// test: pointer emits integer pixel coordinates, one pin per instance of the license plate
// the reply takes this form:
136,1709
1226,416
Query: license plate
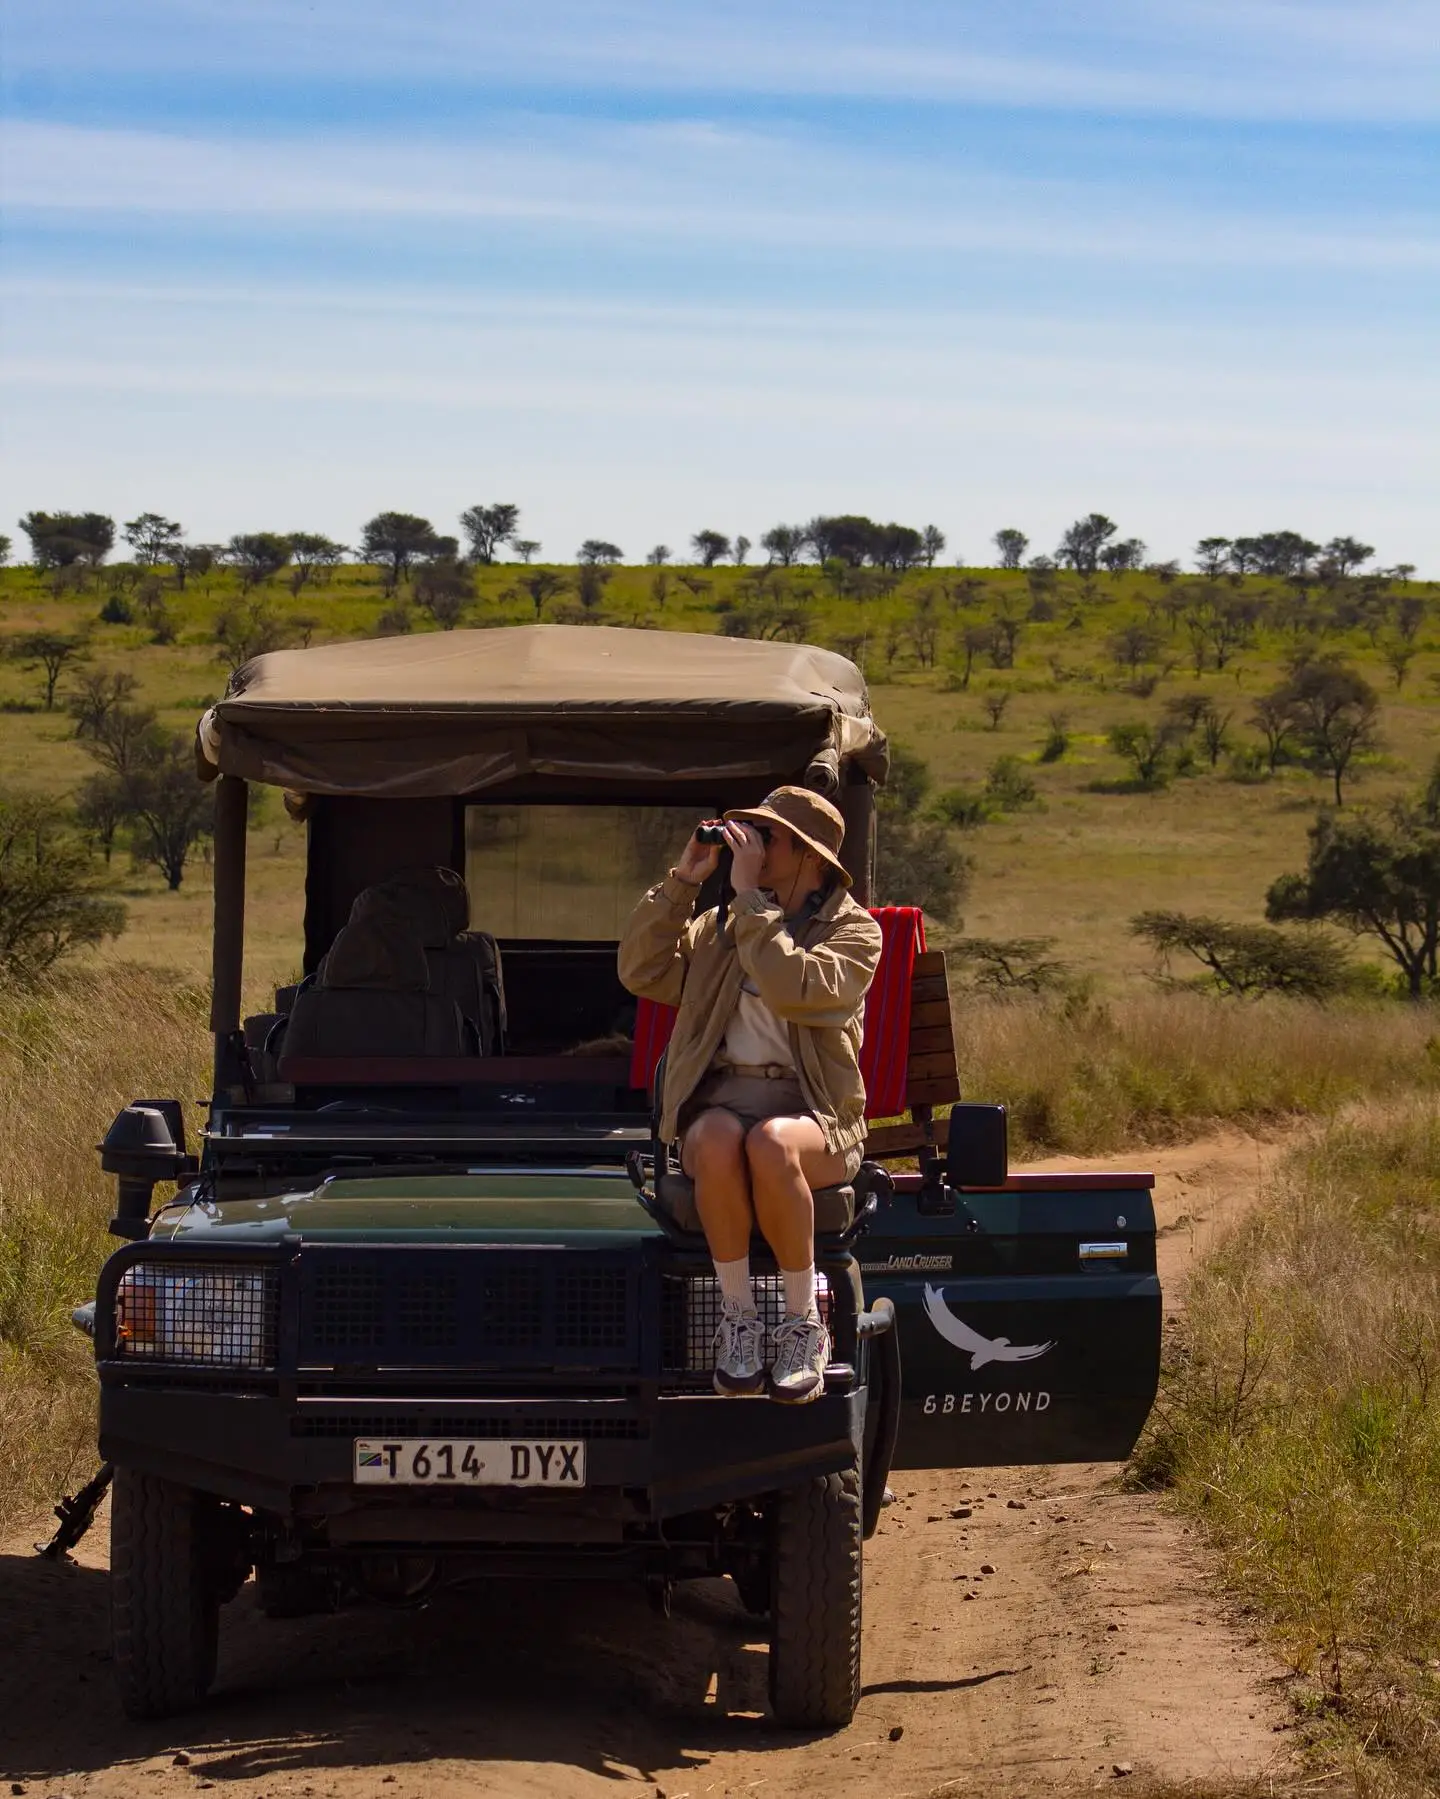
468,1462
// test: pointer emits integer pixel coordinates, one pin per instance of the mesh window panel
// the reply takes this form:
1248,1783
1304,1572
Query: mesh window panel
691,1314
511,1304
206,1314
346,1309
592,1309
429,1311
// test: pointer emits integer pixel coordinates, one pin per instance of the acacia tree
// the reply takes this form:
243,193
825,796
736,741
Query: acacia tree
245,631
49,903
541,584
258,555
62,539
394,540
1336,713
1247,959
526,548
52,652
487,527
153,538
96,695
784,544
193,559
312,550
1345,554
1012,545
1211,556
1083,541
149,778
710,547
932,544
597,552
445,587
1378,876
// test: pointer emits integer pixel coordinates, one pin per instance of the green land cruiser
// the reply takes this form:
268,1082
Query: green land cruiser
419,1312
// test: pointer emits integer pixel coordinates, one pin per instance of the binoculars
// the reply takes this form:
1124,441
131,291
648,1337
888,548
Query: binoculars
716,833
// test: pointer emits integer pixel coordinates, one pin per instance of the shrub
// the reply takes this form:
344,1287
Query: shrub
1057,738
1149,749
117,610
49,902
1012,964
1248,959
1009,787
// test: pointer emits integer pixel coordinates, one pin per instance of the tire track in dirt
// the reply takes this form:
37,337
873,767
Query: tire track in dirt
1099,1637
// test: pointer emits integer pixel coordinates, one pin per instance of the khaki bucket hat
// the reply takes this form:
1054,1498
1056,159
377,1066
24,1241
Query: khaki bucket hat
813,820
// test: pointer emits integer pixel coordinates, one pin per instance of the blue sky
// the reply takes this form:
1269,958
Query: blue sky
644,266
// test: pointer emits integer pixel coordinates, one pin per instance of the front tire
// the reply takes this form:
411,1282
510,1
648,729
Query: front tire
816,1562
164,1606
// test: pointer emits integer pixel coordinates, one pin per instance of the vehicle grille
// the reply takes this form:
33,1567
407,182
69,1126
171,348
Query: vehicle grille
543,1425
462,1307
691,1312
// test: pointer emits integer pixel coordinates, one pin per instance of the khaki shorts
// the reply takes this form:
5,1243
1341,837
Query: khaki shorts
753,1099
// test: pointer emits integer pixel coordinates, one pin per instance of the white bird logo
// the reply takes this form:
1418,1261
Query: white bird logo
982,1349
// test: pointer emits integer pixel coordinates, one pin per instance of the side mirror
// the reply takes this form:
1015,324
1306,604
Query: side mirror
977,1151
145,1144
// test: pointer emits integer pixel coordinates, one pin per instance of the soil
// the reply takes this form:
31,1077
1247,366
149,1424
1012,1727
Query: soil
1062,1635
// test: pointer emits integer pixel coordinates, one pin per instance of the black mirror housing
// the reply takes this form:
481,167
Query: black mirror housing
977,1151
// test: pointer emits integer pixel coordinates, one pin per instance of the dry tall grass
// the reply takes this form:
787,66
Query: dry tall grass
1157,1067
1085,1078
1302,1419
71,1054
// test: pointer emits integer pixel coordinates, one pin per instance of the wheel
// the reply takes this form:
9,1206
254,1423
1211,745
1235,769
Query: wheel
753,1585
816,1556
164,1602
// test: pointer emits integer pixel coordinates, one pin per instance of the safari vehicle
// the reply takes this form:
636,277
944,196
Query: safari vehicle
425,1308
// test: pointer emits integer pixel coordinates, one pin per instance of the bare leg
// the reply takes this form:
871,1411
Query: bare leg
787,1159
713,1155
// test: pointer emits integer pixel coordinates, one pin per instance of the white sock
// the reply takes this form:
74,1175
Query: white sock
799,1291
735,1285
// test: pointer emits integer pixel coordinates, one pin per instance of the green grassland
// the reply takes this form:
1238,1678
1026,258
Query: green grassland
1075,866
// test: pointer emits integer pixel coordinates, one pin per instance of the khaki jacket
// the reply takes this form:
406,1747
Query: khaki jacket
816,980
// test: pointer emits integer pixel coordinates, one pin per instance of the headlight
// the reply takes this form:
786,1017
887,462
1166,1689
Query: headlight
214,1315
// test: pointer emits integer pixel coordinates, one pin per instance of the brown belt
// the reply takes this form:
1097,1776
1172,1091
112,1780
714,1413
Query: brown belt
758,1071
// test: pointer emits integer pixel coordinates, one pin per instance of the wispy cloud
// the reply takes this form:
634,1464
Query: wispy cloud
675,181
1212,58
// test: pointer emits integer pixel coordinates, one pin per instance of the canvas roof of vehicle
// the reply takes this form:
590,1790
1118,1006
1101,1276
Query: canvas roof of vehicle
458,712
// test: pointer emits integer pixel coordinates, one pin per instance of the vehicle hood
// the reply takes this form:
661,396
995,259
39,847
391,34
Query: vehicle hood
539,1206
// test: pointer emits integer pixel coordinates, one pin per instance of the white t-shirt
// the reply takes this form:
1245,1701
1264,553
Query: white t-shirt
754,1036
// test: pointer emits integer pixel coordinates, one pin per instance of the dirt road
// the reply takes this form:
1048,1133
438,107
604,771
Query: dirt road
1057,1629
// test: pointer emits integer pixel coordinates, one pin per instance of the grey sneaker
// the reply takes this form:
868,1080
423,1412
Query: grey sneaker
802,1350
739,1351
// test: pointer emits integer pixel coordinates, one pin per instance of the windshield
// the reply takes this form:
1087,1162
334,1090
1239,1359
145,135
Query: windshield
568,873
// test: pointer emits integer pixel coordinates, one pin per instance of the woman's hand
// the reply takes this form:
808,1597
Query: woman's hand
748,847
697,860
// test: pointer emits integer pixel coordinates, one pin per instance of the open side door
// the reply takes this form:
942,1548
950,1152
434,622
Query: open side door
1028,1317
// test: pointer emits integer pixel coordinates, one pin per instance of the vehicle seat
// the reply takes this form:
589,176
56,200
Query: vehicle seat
463,965
675,1191
371,997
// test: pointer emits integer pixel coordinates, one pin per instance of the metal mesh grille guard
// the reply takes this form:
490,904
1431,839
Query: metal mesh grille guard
460,1309
215,1314
692,1314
